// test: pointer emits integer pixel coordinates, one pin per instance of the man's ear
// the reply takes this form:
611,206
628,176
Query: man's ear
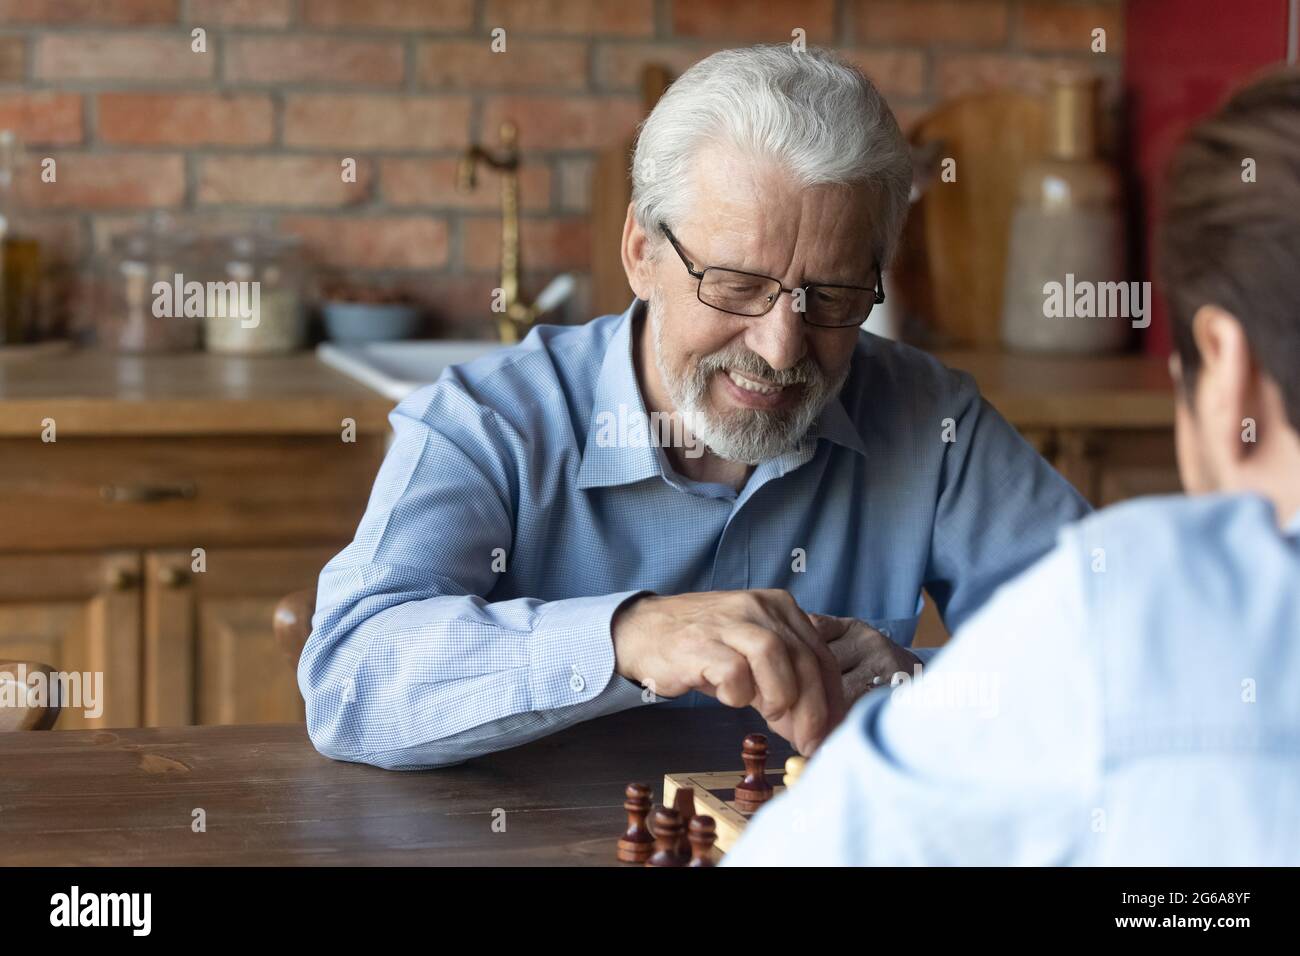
1227,383
636,257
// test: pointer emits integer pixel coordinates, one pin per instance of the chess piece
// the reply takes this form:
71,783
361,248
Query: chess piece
637,843
793,771
702,834
753,791
684,804
667,827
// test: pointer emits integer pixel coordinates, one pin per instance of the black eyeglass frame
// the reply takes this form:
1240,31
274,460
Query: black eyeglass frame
698,275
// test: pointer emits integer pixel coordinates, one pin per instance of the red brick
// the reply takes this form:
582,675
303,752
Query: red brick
960,74
559,122
545,243
313,59
106,56
354,121
373,242
81,12
572,17
895,72
1058,28
575,185
42,117
260,13
13,59
963,22
116,181
59,234
185,119
743,20
280,181
390,14
525,64
432,182
460,304
619,65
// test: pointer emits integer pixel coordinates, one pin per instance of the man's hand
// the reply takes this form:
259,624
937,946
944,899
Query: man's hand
866,658
746,648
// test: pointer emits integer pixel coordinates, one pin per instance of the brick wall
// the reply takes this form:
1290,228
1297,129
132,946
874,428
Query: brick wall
259,123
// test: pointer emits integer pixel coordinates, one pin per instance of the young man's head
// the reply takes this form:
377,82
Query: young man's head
1230,267
1229,255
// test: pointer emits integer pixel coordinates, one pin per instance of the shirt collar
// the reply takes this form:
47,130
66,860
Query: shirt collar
1293,526
618,397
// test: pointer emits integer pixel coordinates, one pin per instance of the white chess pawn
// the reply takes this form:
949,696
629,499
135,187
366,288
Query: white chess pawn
793,768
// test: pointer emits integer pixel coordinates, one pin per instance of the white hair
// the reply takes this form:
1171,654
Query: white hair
817,117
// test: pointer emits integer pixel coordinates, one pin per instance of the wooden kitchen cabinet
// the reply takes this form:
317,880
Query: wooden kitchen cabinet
77,612
250,460
209,652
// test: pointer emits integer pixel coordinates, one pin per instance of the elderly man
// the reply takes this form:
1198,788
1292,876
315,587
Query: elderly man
529,559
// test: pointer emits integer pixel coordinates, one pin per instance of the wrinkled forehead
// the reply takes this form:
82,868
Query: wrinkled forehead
753,214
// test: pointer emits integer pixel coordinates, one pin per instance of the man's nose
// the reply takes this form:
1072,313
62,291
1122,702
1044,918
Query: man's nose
780,337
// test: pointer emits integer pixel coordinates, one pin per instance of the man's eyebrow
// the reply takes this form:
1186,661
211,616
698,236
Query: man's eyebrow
865,283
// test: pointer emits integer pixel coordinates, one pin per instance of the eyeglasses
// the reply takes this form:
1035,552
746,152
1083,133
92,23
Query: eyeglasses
751,294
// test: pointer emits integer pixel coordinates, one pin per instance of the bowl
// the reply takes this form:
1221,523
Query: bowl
370,321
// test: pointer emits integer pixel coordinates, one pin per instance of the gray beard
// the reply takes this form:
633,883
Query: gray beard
745,435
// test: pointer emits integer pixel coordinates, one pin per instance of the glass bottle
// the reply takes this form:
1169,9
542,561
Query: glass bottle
1067,235
20,255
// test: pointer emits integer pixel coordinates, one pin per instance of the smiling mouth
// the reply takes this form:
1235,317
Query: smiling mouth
754,385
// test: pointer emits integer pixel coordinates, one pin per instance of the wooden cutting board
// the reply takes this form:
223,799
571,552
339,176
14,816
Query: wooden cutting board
965,224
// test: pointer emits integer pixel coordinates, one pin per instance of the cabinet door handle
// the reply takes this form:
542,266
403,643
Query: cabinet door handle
145,494
170,577
121,579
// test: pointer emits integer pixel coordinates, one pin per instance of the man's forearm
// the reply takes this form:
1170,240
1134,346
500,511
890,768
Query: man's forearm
397,678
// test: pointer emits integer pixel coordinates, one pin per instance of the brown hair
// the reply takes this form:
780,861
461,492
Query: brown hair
1232,242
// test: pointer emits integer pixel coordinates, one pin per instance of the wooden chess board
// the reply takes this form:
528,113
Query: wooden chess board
715,796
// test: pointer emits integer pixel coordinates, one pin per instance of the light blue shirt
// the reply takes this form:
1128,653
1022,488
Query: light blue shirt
472,611
1132,699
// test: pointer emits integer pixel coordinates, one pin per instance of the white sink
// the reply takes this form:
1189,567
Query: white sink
396,369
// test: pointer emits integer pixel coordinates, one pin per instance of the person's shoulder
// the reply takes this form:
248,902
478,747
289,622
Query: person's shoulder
1196,566
884,370
1189,527
552,368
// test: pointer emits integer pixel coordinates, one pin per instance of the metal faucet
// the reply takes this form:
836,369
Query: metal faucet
517,317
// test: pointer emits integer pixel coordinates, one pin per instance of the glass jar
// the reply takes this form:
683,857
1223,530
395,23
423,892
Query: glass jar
255,306
143,303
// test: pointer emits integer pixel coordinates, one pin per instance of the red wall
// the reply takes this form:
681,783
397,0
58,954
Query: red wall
1181,58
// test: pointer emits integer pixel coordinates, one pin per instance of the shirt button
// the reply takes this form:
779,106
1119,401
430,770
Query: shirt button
576,683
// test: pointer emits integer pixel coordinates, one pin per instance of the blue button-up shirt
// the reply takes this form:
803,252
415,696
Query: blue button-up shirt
511,518
1129,700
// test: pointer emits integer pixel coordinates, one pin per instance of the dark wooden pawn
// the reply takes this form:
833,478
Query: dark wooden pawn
753,791
637,843
667,827
703,833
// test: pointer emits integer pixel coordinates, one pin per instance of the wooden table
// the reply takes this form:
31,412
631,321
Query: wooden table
126,797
